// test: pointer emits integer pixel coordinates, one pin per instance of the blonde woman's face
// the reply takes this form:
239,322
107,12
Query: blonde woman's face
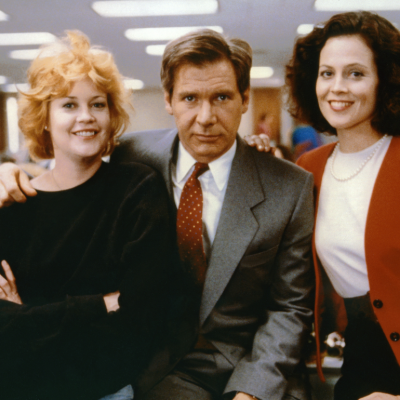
79,123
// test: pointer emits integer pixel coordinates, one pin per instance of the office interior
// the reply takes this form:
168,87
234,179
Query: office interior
269,26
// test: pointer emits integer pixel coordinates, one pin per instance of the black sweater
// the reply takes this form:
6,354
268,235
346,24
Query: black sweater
67,249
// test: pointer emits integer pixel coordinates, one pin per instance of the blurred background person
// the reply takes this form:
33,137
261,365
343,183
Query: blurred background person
304,138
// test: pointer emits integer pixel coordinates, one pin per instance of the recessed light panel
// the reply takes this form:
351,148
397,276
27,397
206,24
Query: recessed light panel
4,16
15,87
261,72
305,29
145,8
133,84
151,34
25,38
351,5
155,49
26,54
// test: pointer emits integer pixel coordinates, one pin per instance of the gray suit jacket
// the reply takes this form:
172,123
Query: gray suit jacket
256,307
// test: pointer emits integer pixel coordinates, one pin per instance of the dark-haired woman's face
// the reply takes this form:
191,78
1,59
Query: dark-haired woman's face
347,83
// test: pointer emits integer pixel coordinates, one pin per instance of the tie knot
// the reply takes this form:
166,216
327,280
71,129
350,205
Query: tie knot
199,168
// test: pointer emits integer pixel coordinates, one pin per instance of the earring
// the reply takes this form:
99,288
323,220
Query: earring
45,128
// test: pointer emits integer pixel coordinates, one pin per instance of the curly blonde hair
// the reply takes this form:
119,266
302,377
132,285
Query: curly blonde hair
52,75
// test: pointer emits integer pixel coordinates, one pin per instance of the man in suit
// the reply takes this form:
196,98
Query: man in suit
255,309
257,219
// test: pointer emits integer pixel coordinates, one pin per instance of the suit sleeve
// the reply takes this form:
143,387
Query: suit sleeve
278,343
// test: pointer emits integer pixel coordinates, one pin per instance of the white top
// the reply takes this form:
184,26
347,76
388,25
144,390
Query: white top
213,184
342,216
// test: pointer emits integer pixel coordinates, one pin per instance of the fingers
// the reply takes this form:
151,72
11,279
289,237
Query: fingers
265,142
9,276
10,179
111,301
250,140
26,185
8,287
4,284
262,142
5,198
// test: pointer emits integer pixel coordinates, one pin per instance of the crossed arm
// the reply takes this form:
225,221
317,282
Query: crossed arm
9,290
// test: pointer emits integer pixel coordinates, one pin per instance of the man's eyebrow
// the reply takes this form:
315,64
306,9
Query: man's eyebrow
186,93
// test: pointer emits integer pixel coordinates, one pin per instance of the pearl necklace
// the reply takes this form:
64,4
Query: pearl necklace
362,165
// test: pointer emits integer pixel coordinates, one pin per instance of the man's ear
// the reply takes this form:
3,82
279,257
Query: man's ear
167,101
246,100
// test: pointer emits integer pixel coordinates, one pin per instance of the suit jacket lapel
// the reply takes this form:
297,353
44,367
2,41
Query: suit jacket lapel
166,155
243,192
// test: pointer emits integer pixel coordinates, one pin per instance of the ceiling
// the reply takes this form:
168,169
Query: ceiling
268,25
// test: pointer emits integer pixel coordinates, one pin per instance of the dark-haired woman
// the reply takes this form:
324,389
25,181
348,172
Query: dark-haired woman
344,79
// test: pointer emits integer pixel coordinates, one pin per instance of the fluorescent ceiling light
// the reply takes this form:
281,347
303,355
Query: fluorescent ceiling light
145,8
3,79
155,49
261,72
133,84
351,5
305,29
16,39
27,54
143,34
4,16
15,87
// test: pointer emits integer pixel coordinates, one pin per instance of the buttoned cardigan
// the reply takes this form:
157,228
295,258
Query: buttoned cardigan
382,242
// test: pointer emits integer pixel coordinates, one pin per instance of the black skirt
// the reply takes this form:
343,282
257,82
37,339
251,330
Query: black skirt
369,364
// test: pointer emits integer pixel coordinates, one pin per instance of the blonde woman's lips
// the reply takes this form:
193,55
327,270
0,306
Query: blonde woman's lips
85,133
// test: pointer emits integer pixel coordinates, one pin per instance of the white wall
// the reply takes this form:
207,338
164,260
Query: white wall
149,111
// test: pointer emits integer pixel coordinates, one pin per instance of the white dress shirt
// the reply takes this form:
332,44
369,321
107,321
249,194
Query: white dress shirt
213,184
342,217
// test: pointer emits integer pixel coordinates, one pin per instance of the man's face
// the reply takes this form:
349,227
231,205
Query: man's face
207,107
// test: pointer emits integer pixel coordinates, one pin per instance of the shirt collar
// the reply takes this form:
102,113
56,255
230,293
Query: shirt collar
219,168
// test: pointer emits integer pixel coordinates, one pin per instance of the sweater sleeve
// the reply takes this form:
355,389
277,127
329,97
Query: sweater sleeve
75,343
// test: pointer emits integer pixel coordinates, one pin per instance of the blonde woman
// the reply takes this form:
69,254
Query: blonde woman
87,262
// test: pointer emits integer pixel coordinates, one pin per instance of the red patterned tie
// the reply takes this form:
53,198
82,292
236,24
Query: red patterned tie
190,225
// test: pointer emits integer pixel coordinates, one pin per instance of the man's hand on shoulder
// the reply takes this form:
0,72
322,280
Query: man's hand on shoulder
261,142
14,185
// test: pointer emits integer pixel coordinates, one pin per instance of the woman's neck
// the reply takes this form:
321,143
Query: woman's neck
354,140
66,174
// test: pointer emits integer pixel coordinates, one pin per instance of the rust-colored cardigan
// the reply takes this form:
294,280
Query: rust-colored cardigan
382,242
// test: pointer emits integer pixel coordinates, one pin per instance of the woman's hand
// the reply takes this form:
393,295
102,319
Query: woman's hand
111,300
261,141
8,287
380,396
